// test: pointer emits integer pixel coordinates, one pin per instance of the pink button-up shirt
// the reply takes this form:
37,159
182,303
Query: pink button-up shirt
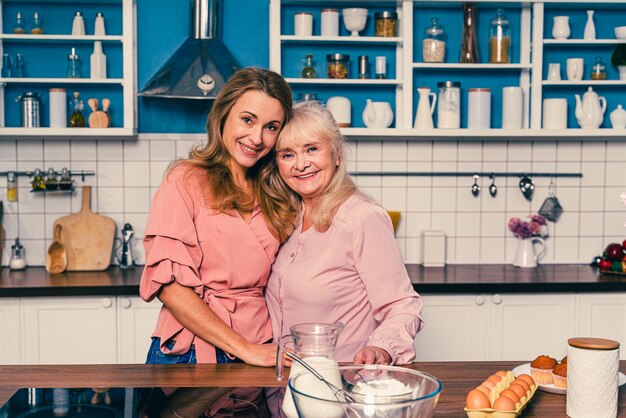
225,260
352,273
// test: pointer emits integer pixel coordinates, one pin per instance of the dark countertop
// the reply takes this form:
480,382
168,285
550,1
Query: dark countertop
459,278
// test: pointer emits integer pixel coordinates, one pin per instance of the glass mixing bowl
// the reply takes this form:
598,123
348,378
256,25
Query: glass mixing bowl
376,390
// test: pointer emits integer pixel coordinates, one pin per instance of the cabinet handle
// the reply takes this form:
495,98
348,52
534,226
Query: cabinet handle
497,299
480,300
125,302
107,302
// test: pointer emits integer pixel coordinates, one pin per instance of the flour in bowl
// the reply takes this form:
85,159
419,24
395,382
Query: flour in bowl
388,387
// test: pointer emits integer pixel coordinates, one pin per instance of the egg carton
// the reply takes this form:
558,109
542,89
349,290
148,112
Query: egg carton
493,395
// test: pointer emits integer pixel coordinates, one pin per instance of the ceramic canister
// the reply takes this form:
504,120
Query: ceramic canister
512,107
592,378
479,108
330,22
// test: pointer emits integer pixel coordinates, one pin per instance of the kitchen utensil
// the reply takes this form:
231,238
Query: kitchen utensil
377,114
449,108
17,262
56,258
30,105
337,391
527,187
493,189
98,118
87,237
105,108
125,259
475,187
425,109
551,209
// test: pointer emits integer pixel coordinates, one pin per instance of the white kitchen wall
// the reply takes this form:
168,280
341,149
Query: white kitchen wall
128,173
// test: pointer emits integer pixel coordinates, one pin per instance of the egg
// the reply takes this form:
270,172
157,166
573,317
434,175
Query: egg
484,390
526,378
477,400
488,384
518,389
494,379
500,373
503,404
522,383
511,394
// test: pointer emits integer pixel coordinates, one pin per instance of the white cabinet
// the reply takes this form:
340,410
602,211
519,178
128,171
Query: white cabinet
603,315
46,63
10,326
69,330
505,327
135,324
533,49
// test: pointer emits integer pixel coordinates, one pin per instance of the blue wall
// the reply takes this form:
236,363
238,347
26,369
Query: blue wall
162,25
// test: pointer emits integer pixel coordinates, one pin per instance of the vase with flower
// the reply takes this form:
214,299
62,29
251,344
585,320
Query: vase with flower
530,232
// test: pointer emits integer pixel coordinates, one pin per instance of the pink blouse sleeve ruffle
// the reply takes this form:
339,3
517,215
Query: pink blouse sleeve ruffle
395,305
171,243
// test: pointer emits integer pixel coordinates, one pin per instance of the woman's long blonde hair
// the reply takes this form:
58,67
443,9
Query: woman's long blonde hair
213,157
311,120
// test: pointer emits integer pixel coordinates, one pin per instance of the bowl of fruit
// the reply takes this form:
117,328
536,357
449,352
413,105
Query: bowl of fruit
613,260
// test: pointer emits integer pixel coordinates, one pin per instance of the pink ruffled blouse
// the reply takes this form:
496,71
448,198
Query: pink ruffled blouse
352,273
224,259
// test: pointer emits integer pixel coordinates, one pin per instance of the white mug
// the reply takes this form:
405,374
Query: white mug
575,67
303,24
554,72
512,107
554,113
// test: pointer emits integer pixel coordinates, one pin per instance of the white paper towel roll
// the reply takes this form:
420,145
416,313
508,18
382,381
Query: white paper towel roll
58,108
592,376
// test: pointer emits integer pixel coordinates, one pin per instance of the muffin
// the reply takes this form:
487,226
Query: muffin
559,373
541,369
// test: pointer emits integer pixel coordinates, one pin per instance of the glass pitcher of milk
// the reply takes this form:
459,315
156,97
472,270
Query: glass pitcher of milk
315,343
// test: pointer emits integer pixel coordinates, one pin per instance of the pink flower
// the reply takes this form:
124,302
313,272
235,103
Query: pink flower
530,226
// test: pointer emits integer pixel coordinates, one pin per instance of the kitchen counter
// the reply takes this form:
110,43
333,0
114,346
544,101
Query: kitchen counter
457,379
460,278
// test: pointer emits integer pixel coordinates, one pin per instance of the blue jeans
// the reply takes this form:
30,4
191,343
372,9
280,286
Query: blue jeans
156,356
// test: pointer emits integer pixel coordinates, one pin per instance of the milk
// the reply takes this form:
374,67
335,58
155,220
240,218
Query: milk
311,385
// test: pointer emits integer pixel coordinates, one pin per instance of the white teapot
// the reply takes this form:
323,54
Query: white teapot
590,111
377,114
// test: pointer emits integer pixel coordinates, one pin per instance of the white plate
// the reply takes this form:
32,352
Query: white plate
525,369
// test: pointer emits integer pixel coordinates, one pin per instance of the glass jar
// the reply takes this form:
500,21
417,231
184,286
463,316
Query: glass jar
337,65
598,70
11,186
500,39
38,184
434,43
306,97
73,65
386,24
37,27
20,27
449,105
308,71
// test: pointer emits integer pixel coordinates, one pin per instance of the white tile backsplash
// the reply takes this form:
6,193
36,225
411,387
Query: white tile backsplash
129,173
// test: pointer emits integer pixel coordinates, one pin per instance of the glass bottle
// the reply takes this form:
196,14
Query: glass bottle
19,70
38,184
500,39
7,66
11,186
598,70
77,120
51,180
66,181
20,27
469,44
308,71
434,43
73,65
37,27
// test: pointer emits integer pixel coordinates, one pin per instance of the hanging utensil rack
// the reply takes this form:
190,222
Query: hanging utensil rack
464,174
31,173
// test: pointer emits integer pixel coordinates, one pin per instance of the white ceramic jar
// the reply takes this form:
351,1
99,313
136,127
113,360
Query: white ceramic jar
479,108
618,118
330,22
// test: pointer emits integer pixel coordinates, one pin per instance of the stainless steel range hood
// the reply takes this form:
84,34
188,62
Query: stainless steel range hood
200,66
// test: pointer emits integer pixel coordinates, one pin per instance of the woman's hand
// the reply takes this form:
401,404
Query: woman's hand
263,355
372,355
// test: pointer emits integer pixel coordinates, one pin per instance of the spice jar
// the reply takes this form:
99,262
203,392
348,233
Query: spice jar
386,24
500,39
598,70
337,65
19,27
38,184
308,71
434,43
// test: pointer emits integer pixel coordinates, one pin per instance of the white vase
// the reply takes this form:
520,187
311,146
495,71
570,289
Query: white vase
590,27
618,118
526,256
560,29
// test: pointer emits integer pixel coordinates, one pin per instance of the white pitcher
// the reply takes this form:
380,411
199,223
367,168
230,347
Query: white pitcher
377,114
526,257
425,109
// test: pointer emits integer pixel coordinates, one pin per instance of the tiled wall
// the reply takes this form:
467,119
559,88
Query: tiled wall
128,173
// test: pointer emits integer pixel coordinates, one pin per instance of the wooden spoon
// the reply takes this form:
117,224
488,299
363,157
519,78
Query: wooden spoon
56,258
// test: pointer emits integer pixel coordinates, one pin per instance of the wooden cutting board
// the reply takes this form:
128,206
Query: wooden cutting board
87,237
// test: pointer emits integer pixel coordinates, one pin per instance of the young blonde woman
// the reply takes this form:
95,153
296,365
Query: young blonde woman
342,263
214,229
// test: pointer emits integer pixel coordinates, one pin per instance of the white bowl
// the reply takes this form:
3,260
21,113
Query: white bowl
620,32
354,18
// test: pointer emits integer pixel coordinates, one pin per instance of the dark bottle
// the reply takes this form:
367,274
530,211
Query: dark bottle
308,71
77,120
469,44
